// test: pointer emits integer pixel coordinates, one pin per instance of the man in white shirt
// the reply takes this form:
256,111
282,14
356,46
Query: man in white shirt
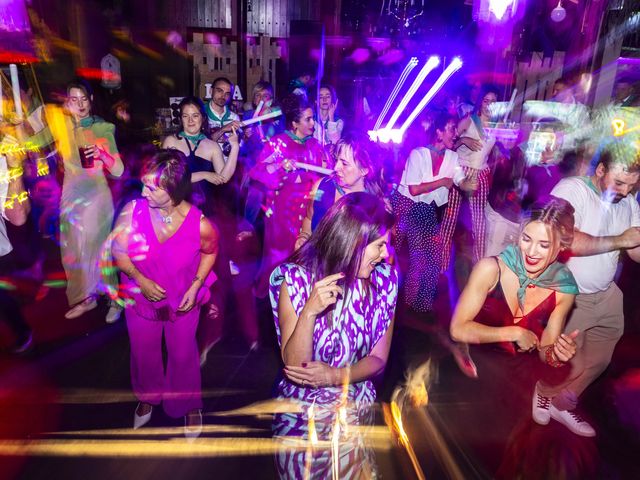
221,119
14,207
607,220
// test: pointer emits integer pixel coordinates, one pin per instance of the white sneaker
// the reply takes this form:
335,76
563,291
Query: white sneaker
540,408
113,315
573,421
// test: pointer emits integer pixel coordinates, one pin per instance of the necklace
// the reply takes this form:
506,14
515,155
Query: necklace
166,219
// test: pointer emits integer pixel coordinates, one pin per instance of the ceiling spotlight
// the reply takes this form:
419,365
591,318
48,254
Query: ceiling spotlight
558,14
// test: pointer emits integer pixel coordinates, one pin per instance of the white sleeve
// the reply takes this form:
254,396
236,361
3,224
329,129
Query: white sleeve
635,213
334,130
413,168
571,191
458,172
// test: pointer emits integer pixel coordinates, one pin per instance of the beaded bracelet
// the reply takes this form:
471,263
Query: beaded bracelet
550,359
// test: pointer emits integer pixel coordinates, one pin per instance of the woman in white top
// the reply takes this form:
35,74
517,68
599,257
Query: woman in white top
473,148
429,175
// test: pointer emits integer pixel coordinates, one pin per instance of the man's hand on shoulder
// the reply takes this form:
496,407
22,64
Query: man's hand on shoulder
630,238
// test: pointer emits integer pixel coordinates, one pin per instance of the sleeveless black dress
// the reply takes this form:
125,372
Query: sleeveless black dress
203,192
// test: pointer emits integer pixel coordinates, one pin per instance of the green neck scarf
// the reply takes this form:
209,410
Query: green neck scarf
555,277
591,185
193,138
214,116
296,138
87,122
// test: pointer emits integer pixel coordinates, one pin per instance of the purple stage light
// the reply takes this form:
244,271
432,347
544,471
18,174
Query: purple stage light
403,77
360,55
558,14
499,7
454,66
431,64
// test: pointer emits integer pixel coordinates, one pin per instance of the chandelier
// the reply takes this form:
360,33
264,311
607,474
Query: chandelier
405,11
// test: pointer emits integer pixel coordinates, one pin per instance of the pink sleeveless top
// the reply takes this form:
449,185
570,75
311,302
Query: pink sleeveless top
172,264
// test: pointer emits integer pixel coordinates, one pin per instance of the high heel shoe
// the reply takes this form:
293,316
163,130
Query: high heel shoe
81,308
193,431
141,420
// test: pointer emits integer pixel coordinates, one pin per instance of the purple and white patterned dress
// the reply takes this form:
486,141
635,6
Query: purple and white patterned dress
339,340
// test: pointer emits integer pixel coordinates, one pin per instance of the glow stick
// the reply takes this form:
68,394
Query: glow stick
258,109
266,116
312,168
453,67
15,85
403,77
432,63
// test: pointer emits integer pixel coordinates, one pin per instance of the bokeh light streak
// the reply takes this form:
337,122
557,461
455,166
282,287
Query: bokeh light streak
396,415
453,67
499,7
20,197
394,93
11,174
431,64
18,148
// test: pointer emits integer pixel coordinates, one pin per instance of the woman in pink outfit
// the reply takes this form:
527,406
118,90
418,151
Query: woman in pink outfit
286,184
165,249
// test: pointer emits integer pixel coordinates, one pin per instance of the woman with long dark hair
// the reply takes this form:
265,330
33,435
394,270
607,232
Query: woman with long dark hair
333,303
286,184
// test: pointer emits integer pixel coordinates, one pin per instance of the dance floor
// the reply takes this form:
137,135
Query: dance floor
66,411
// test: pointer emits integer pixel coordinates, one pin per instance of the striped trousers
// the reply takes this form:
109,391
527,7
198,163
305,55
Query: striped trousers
477,202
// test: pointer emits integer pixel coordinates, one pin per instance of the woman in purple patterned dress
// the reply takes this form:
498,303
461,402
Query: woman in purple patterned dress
333,304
